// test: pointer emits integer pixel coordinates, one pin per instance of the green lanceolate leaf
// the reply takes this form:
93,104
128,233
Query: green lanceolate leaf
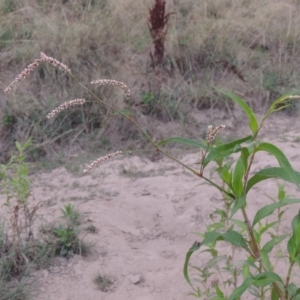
220,294
235,238
225,175
246,271
184,141
268,247
274,172
282,160
274,294
194,248
239,202
240,223
19,147
253,124
266,260
296,226
226,149
232,237
293,245
239,172
269,209
259,280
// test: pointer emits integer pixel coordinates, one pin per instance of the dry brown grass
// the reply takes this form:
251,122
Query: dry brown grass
248,47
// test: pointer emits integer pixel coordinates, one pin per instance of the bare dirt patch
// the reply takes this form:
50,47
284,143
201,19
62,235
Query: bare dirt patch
143,215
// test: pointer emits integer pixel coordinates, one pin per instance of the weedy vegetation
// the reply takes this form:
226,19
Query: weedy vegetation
21,248
103,283
195,57
257,238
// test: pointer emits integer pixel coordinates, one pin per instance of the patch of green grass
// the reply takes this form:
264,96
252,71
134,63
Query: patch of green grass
103,283
71,215
64,239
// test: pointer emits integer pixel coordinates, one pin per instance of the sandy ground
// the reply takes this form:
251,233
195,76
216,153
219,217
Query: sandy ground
146,213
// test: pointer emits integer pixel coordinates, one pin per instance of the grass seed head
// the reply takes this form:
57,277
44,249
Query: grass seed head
120,84
202,154
64,106
293,97
32,66
211,133
101,160
23,74
54,62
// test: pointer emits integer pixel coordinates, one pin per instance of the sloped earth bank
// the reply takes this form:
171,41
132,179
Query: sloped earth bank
145,213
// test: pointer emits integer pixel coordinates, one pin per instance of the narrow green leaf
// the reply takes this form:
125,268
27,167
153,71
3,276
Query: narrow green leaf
239,172
231,237
211,237
239,202
215,226
194,248
235,238
268,247
281,192
225,175
293,290
269,209
262,279
239,291
296,225
273,172
184,141
240,223
274,295
253,124
19,147
237,179
282,160
265,228
213,252
246,271
214,261
294,242
219,292
266,260
291,248
266,278
226,149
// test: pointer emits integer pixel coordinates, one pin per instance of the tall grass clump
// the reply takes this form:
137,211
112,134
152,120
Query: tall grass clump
249,47
256,272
